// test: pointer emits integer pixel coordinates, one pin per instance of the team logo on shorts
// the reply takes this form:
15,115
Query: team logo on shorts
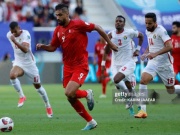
154,36
125,37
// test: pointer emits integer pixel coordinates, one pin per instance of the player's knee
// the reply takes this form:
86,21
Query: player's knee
170,91
69,94
116,80
37,86
144,81
13,75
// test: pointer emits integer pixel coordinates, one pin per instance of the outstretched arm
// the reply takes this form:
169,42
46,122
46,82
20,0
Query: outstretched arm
103,34
167,47
48,48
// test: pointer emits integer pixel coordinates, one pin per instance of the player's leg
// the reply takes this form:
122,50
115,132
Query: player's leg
167,76
72,82
148,74
175,66
16,72
176,70
100,79
33,75
123,72
104,81
145,79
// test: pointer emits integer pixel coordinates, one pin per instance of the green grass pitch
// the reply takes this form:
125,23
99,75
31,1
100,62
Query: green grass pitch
163,118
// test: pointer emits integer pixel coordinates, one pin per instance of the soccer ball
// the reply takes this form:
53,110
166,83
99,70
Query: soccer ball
6,124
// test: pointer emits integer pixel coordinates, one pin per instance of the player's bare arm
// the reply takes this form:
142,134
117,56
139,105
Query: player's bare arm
144,56
140,41
48,48
24,47
167,47
103,34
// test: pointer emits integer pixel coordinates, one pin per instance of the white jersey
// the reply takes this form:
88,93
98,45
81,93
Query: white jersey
21,57
156,40
125,44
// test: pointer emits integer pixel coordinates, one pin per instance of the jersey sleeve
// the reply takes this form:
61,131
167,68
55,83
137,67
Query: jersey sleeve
133,33
55,40
164,35
8,36
26,38
85,26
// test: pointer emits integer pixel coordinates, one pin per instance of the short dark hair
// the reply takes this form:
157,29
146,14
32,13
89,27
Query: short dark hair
12,25
151,15
120,16
61,7
176,23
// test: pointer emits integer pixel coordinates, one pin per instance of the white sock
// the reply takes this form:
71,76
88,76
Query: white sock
44,96
17,86
177,89
122,86
144,94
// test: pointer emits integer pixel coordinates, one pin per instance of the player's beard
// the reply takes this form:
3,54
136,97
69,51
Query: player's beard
62,23
151,29
174,32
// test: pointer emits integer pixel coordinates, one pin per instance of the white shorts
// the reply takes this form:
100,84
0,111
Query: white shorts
165,72
31,71
127,70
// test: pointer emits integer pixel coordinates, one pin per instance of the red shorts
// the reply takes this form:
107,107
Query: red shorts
176,68
77,74
98,73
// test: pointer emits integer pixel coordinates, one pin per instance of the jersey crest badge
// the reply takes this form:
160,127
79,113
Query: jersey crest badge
154,36
125,37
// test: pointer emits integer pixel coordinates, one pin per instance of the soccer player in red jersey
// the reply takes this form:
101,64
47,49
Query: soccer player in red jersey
98,54
71,36
176,47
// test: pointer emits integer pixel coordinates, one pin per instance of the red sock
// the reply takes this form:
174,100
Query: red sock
78,106
104,83
81,94
104,86
107,79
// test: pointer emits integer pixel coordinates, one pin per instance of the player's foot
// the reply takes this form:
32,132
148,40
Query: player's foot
128,104
131,111
21,101
90,100
102,96
141,114
49,112
90,125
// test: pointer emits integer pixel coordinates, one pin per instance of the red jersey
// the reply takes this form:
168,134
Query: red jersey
73,41
176,48
99,51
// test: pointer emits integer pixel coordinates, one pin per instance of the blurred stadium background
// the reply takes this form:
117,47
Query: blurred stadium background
37,16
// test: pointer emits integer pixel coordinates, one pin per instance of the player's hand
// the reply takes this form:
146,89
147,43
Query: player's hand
13,38
38,46
151,55
136,53
113,47
144,56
